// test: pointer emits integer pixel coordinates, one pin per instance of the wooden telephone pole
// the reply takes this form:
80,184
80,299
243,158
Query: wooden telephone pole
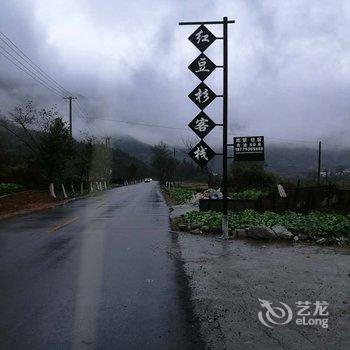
319,163
70,98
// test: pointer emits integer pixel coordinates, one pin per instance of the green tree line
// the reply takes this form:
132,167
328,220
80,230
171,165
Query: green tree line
36,151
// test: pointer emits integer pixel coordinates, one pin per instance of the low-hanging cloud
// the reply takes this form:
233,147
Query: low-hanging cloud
289,64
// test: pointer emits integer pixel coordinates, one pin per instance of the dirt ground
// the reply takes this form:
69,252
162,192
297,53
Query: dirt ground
26,201
229,277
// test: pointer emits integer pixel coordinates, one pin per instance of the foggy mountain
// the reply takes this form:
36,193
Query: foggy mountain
130,145
286,161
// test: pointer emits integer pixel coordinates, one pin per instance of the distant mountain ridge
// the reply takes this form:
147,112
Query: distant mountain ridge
134,147
285,161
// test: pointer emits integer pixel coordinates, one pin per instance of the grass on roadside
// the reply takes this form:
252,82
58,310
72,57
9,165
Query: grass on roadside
181,195
314,224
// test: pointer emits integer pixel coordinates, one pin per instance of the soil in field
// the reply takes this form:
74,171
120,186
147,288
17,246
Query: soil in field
26,201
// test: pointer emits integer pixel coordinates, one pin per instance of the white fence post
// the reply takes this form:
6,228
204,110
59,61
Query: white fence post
52,190
64,191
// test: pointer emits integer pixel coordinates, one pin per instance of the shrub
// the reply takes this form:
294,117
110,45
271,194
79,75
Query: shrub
8,188
248,194
181,195
245,176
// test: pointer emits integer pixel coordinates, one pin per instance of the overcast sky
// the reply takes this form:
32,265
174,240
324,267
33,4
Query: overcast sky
127,60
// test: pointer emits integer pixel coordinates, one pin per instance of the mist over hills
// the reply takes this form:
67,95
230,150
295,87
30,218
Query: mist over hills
290,162
134,147
300,161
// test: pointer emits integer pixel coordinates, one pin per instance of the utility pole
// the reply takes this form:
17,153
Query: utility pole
319,163
174,154
108,142
70,98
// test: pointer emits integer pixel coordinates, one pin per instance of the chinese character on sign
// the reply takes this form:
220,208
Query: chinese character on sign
202,38
202,96
202,67
202,125
201,153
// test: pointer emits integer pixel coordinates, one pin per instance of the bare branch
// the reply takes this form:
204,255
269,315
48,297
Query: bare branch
19,137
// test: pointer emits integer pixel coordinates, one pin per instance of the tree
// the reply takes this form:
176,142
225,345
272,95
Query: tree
122,168
163,163
251,176
55,150
24,119
131,172
101,161
83,159
45,136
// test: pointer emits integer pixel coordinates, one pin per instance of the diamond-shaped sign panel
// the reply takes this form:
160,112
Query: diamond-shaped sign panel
201,153
202,67
202,38
202,125
202,96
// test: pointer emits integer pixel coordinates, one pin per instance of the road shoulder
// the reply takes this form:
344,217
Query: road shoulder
228,277
31,201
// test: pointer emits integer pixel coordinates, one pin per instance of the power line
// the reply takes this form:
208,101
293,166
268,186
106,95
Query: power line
82,116
23,60
24,63
32,76
141,124
85,115
32,64
29,70
230,134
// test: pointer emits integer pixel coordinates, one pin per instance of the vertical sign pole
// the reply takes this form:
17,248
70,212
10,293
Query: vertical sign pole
202,38
224,123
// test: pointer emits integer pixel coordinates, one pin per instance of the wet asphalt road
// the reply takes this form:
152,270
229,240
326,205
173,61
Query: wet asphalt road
95,274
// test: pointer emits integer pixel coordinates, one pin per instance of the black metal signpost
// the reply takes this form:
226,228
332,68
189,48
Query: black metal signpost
202,96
